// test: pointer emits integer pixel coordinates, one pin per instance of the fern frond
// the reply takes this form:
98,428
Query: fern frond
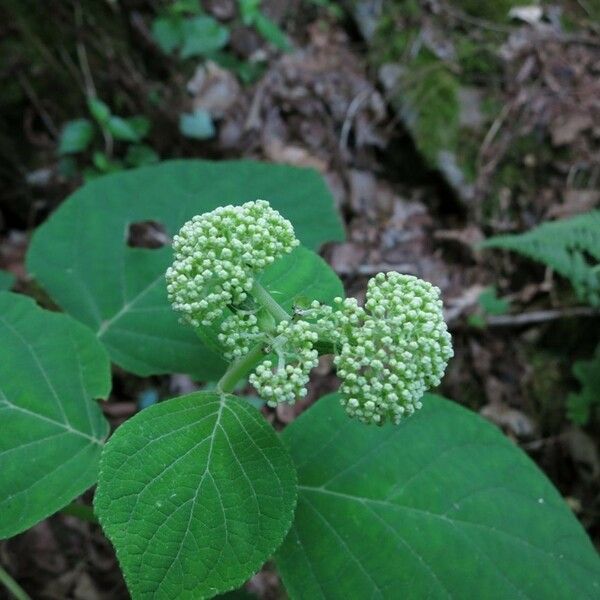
571,247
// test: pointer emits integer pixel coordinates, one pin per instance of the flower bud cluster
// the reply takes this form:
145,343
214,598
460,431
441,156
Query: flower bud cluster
217,255
239,332
392,350
296,357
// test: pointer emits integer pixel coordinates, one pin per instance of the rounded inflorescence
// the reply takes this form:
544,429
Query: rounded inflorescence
286,380
392,350
239,332
217,255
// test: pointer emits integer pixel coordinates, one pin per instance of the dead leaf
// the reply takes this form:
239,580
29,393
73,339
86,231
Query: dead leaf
297,156
213,89
346,258
576,202
528,14
509,419
566,129
584,452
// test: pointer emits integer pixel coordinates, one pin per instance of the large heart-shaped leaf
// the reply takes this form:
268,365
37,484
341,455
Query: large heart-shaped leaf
51,369
81,257
195,494
442,506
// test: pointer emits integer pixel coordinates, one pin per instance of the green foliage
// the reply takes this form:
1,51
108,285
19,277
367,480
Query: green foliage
433,110
185,27
140,155
202,35
496,11
252,16
195,494
491,304
198,125
78,134
441,506
75,136
6,280
51,370
119,291
581,404
571,247
313,278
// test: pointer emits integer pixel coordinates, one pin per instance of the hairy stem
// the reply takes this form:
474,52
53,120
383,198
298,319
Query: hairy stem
12,586
240,369
265,299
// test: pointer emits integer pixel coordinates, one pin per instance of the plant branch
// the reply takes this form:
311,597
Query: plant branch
239,369
12,586
268,303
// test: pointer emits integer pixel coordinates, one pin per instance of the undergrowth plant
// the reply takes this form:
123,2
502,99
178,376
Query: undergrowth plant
379,490
571,247
184,27
107,144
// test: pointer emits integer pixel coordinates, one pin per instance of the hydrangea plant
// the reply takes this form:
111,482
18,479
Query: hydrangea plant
387,354
196,493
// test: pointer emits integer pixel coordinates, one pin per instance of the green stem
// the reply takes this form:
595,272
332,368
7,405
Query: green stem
239,369
12,586
81,511
268,303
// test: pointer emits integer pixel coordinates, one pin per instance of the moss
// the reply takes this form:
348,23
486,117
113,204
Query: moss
467,153
479,61
389,44
492,10
431,107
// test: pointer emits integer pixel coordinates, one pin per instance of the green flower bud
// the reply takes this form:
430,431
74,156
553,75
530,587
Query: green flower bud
217,255
398,344
296,357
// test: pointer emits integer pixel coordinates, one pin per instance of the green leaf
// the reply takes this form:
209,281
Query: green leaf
122,129
202,35
105,164
249,10
299,275
185,6
51,369
7,280
81,258
195,494
244,70
441,506
570,246
198,125
168,33
141,125
99,110
491,304
302,273
271,32
75,136
141,156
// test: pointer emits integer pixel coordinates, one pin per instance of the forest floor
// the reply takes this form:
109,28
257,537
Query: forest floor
325,104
